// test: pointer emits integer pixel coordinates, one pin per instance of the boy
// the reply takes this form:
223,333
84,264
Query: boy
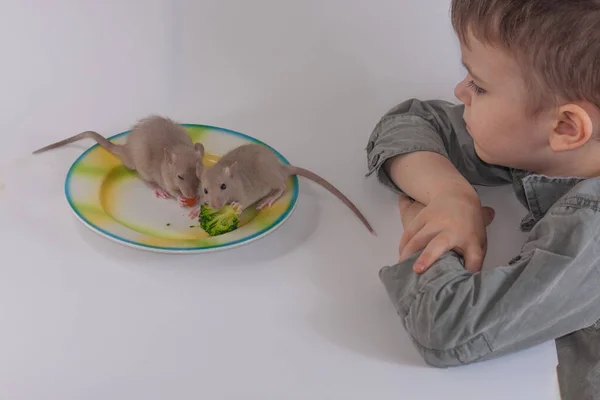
530,118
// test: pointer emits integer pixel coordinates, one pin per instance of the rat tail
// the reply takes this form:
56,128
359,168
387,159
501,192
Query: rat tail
101,140
321,181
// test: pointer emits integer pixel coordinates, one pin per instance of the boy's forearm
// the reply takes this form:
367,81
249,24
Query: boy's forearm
435,127
424,175
548,291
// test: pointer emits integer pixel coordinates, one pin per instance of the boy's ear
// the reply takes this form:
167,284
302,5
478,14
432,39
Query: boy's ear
572,128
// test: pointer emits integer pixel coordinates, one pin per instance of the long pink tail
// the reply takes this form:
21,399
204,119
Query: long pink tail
321,181
115,149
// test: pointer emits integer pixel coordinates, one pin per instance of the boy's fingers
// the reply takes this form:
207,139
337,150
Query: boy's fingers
408,209
488,215
434,250
404,203
410,230
473,257
418,242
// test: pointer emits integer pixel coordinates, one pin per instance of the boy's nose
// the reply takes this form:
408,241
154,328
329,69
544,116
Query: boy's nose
461,91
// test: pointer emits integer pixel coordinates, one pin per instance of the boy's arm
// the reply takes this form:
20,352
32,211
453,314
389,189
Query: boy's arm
422,148
549,290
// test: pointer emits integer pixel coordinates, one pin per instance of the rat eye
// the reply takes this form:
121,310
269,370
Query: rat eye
223,186
205,191
180,177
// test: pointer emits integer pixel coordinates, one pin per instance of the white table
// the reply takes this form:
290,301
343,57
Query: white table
300,314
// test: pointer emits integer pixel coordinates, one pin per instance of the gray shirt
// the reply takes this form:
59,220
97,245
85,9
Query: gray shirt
550,290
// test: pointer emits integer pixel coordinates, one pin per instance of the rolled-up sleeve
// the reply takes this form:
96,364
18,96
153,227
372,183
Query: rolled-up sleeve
436,126
549,290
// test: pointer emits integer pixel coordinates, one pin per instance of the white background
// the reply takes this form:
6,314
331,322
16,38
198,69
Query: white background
299,314
266,66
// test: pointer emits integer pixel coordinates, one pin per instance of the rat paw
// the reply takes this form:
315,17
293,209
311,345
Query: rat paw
265,203
187,202
194,213
237,207
161,193
183,201
268,201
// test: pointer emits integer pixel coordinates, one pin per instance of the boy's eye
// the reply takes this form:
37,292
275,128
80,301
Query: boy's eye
180,177
223,186
475,88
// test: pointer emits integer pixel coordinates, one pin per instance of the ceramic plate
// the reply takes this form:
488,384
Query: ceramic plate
112,201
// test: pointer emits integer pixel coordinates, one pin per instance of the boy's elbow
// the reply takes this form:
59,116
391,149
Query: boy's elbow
447,342
440,312
444,353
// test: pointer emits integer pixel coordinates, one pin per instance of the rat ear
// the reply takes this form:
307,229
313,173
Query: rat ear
199,148
231,170
199,169
169,156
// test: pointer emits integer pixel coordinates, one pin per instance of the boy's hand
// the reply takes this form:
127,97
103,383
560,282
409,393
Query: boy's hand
449,222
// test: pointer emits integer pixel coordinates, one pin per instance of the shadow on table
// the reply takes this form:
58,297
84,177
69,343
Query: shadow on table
367,327
353,310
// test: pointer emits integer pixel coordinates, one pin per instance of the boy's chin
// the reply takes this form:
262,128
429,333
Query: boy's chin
483,156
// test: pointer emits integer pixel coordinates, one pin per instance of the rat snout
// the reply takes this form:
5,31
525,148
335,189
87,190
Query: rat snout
215,203
189,192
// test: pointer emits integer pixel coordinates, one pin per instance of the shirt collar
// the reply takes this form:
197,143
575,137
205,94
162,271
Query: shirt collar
539,193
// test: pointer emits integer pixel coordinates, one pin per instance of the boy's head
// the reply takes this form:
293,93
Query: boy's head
532,93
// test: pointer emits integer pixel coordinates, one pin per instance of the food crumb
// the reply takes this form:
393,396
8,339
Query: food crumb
192,226
168,224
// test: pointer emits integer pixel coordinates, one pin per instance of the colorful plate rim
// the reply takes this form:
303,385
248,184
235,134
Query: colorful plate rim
221,246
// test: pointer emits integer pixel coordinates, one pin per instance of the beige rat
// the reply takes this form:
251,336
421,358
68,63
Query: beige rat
160,151
252,173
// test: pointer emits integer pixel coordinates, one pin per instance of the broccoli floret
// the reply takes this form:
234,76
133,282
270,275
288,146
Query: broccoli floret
218,222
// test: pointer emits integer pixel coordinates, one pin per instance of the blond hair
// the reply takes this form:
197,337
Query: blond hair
555,42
